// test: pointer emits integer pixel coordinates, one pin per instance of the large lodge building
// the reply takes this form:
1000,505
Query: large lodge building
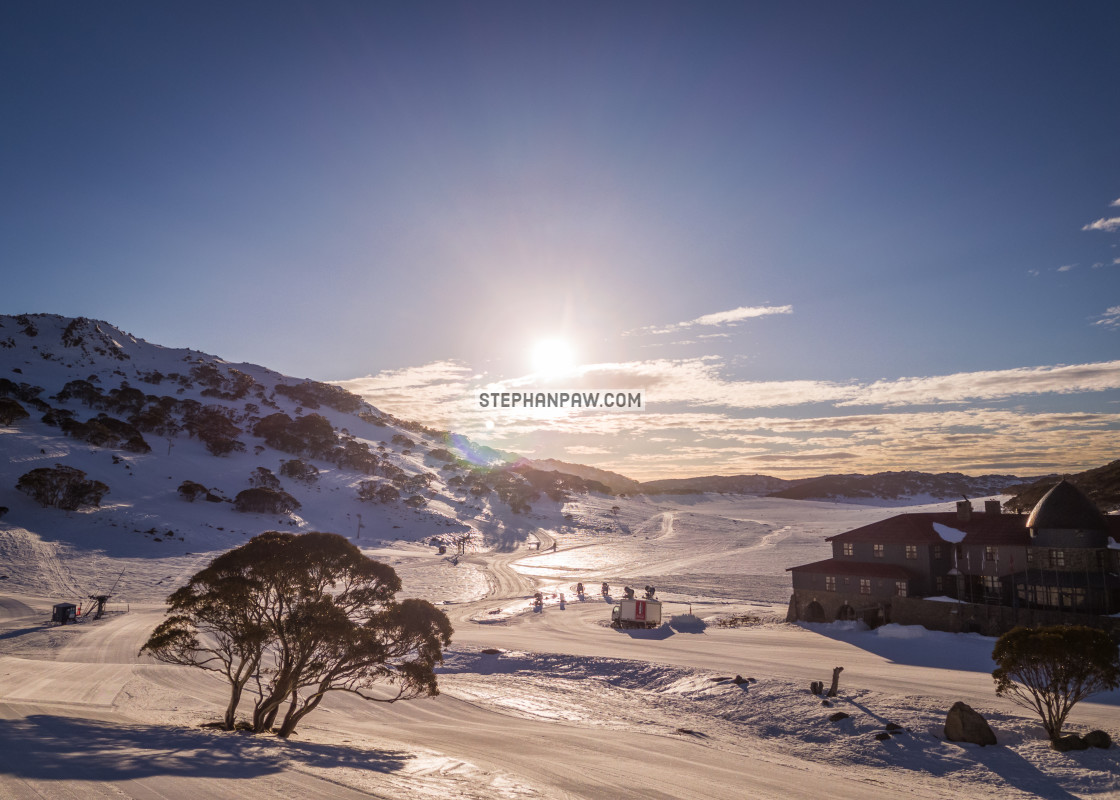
971,571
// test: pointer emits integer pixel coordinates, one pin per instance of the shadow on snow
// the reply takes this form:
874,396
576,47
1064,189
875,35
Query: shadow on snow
47,747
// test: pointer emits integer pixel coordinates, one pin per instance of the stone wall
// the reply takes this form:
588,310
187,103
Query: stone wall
988,620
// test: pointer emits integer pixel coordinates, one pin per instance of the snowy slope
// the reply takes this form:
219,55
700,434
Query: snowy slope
41,354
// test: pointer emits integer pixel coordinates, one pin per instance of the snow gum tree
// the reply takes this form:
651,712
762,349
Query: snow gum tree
1050,669
62,487
291,617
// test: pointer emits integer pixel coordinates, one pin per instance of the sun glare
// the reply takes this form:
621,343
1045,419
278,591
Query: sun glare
553,357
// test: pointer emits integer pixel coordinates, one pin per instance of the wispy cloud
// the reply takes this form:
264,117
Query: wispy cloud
1110,318
421,388
698,421
1066,267
990,385
1103,224
719,318
586,450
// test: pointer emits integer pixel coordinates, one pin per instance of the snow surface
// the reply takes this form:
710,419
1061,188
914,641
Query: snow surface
567,708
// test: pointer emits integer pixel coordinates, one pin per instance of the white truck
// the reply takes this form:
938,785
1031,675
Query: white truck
634,613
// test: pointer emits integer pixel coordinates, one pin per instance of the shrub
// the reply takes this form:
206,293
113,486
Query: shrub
191,491
61,487
81,390
376,492
265,501
1049,669
105,431
11,411
312,394
262,478
214,428
299,471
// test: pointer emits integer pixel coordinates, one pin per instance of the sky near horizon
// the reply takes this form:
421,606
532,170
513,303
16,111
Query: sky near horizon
819,236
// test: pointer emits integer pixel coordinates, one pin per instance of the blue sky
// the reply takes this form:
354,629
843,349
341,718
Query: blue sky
916,204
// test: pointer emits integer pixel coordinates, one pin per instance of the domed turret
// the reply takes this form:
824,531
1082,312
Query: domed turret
1065,517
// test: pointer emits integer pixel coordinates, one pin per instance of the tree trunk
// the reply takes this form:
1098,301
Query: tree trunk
294,715
835,688
231,709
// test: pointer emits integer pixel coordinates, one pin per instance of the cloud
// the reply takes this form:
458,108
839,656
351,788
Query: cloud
1110,318
1115,203
732,317
1110,224
585,450
990,385
445,393
698,421
420,388
1066,267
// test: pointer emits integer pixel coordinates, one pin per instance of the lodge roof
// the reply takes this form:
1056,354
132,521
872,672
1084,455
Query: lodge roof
918,528
1065,507
864,569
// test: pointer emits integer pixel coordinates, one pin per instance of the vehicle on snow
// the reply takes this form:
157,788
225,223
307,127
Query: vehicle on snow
633,613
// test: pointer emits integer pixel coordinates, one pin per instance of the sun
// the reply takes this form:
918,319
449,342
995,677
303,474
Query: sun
552,358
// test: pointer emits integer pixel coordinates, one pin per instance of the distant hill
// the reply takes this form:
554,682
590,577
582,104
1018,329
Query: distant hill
1101,484
724,484
618,484
899,485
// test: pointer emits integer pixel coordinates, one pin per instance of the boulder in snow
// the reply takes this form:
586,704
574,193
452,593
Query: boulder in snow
963,724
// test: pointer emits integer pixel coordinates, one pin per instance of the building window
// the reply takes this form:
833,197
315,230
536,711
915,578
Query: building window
900,587
1072,598
911,551
865,584
991,584
939,583
1044,595
847,581
879,550
1057,558
847,548
1030,555
830,583
991,553
937,551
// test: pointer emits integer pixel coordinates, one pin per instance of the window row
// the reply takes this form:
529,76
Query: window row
900,587
880,550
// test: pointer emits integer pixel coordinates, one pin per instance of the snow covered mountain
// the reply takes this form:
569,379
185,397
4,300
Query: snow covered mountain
182,447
